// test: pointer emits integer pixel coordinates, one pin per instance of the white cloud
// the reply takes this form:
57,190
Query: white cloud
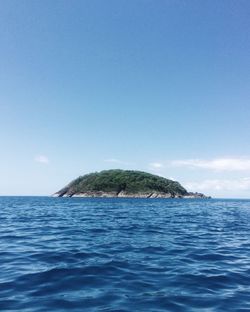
232,185
42,159
219,164
116,161
156,165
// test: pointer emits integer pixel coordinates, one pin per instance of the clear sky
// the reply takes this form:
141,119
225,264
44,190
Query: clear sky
161,86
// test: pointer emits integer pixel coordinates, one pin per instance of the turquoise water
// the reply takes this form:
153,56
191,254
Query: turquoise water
69,254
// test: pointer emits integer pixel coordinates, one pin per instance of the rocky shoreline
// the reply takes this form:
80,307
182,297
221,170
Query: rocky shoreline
123,194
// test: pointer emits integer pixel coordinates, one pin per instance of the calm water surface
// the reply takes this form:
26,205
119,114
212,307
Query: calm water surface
69,254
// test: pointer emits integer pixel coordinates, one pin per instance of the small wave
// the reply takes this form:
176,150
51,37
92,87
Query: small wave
62,254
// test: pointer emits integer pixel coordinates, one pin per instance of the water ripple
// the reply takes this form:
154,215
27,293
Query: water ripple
61,254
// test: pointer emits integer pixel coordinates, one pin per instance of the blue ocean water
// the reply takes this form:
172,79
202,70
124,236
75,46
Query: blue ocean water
69,254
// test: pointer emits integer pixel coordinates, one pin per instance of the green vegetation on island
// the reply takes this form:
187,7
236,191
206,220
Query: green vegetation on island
124,183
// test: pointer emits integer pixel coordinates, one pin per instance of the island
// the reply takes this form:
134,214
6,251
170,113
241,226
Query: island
125,183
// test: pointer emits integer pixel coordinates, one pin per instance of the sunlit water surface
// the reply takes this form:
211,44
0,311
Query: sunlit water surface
69,254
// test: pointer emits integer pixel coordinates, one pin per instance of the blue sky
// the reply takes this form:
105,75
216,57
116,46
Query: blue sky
160,86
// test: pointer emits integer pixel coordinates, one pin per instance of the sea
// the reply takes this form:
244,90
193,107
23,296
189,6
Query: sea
126,255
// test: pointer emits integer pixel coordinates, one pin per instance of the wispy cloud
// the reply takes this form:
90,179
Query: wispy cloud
117,161
219,164
42,159
242,184
156,165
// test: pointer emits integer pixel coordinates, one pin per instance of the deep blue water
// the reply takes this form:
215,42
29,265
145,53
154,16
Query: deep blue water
69,254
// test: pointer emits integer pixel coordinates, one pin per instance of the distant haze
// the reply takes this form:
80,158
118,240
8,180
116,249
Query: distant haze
158,86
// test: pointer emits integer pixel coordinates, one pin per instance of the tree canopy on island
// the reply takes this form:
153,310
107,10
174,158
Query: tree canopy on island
118,180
